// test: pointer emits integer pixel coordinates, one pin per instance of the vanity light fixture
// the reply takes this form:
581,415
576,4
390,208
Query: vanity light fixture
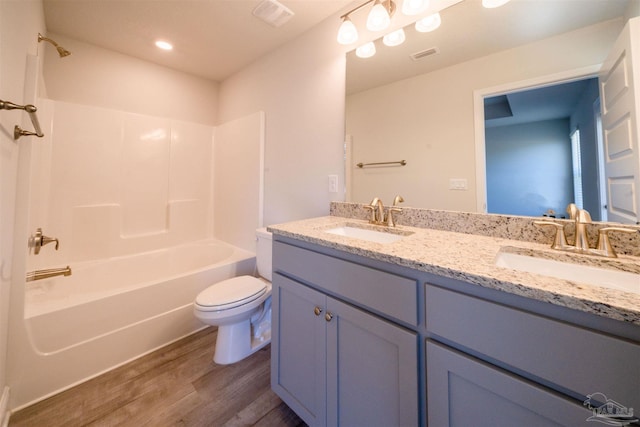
367,50
380,16
490,4
394,38
428,23
348,33
414,7
379,19
164,45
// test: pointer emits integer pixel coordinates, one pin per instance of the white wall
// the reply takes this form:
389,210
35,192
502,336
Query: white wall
429,119
238,180
20,22
300,87
104,78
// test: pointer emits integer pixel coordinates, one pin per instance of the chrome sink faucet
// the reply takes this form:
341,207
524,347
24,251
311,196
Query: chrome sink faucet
581,218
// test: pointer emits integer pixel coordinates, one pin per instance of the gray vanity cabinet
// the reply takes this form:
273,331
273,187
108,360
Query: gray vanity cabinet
499,365
464,391
359,342
336,364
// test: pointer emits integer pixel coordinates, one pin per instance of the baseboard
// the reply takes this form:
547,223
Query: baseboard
4,408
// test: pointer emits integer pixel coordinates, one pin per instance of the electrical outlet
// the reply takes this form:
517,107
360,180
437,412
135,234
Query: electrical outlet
333,183
457,184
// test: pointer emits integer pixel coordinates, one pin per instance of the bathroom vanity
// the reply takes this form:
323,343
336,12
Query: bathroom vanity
427,330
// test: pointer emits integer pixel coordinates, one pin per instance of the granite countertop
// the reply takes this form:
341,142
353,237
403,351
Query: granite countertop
471,258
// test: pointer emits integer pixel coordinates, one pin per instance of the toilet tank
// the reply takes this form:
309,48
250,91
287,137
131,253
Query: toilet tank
263,253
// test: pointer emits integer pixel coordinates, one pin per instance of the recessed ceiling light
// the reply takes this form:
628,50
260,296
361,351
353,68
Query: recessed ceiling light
164,45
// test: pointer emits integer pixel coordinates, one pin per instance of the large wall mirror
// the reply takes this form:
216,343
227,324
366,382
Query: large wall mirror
424,111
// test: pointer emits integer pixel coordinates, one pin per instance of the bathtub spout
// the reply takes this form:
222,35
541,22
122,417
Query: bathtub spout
45,274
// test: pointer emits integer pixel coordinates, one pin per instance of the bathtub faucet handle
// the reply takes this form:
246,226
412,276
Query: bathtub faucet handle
38,240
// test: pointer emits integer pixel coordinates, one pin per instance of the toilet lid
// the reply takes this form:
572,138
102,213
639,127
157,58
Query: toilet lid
231,293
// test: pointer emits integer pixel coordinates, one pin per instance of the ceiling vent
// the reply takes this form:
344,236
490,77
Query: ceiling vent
424,53
272,12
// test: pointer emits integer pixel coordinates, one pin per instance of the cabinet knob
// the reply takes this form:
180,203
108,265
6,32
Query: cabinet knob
317,311
328,316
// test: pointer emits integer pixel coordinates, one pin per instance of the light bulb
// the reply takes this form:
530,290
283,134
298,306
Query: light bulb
394,38
367,50
414,7
429,23
378,18
490,4
164,45
347,33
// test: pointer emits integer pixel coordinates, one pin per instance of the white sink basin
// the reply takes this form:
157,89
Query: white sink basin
365,234
598,276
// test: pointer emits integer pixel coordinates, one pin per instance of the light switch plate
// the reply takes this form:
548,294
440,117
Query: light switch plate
457,184
333,183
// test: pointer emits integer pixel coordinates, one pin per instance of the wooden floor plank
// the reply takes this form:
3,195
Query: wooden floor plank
178,385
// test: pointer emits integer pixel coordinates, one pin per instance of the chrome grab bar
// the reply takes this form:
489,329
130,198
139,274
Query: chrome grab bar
31,110
399,162
45,274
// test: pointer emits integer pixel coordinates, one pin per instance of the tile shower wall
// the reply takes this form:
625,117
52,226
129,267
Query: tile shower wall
109,183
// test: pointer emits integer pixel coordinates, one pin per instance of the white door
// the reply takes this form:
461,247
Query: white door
620,100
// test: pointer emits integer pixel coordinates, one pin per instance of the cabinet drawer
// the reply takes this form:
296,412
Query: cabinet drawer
387,293
565,357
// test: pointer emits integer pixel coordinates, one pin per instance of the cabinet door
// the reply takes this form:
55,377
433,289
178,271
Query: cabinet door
298,349
462,391
372,370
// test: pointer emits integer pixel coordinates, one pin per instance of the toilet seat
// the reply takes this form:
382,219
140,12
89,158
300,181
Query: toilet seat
231,293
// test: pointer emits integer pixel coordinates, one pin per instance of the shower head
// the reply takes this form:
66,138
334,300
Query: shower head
61,51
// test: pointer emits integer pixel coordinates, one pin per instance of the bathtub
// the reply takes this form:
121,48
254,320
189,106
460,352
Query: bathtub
112,311
107,296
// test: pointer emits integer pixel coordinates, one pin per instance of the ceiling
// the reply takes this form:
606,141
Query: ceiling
470,31
547,103
216,38
212,38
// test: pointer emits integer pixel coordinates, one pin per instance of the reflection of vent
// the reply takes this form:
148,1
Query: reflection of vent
272,12
424,53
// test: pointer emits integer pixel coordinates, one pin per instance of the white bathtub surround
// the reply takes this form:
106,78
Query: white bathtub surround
4,407
109,183
131,200
239,153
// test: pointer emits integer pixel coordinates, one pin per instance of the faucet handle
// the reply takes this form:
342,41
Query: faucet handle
371,208
38,240
560,240
390,221
604,245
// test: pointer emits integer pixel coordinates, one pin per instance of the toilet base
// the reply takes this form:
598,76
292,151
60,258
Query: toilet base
236,341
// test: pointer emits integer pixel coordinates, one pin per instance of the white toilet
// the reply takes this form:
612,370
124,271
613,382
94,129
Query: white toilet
240,307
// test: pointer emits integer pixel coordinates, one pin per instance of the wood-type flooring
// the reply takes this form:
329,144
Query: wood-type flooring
177,385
